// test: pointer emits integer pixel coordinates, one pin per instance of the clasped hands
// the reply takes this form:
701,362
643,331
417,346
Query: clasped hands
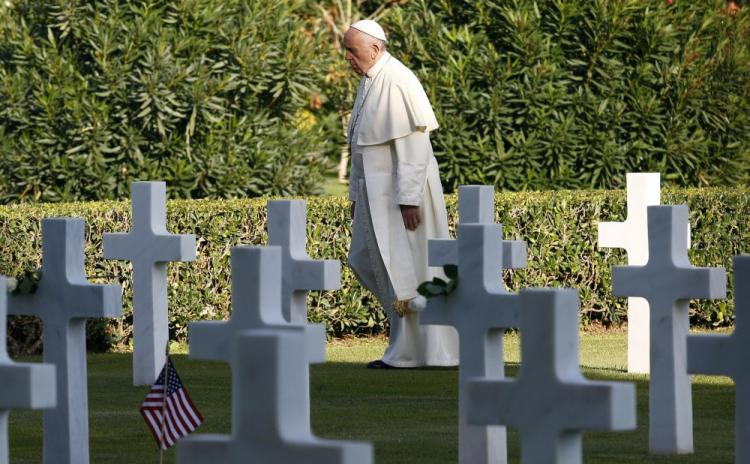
409,213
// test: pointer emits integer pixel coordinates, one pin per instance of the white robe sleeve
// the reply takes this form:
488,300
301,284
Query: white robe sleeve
413,154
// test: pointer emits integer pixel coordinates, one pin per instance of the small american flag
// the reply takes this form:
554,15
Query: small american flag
176,419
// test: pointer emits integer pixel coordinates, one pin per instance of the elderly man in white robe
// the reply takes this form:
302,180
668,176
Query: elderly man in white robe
397,199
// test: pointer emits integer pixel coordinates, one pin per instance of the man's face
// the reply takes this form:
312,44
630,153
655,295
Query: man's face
360,52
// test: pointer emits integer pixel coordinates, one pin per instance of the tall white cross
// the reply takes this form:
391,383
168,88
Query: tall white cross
668,281
287,228
730,355
480,309
149,247
29,386
643,190
63,301
549,401
270,375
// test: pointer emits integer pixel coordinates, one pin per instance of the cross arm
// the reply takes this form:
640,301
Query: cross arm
437,312
615,235
175,248
628,280
95,300
317,275
494,402
442,252
27,386
708,354
703,282
23,305
210,340
593,405
153,248
514,254
445,251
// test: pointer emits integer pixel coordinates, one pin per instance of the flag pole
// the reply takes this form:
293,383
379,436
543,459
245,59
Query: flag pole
164,405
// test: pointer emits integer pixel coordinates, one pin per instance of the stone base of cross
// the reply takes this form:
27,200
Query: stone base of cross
549,401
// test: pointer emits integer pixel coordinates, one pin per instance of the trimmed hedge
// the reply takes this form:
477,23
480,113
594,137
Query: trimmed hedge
559,227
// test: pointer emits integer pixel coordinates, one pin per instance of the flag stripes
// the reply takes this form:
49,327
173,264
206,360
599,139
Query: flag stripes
169,415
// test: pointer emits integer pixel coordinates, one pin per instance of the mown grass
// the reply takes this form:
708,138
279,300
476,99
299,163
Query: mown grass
409,415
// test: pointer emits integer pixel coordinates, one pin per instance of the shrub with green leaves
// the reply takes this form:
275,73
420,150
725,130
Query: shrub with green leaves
551,94
211,96
559,227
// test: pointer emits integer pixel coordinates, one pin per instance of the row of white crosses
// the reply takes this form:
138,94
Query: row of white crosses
549,401
269,319
64,300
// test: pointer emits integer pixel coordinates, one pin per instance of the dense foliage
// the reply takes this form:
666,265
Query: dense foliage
559,227
230,98
215,97
551,94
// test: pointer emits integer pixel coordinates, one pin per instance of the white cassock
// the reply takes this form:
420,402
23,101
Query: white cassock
393,164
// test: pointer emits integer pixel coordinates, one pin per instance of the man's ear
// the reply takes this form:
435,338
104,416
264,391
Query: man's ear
375,49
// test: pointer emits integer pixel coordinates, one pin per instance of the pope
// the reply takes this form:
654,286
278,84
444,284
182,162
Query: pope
397,199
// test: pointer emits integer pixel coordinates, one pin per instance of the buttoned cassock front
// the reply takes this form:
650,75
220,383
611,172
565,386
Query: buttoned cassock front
393,164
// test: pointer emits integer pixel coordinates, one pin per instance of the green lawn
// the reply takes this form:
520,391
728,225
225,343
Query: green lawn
409,415
332,186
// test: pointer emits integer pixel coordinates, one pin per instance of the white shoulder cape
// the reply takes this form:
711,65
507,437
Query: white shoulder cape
396,106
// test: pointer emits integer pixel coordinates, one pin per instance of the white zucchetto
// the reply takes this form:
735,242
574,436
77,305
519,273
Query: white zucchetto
370,27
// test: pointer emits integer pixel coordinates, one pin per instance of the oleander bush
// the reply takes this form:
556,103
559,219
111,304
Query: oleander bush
567,94
218,98
560,228
229,98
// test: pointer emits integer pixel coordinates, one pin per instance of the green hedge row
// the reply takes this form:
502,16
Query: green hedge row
560,228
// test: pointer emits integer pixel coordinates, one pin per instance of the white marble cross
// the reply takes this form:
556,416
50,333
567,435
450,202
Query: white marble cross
480,309
63,301
549,401
270,375
668,281
287,228
730,355
28,386
149,247
643,190
476,205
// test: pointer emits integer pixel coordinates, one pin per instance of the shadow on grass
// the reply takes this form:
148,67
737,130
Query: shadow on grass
410,415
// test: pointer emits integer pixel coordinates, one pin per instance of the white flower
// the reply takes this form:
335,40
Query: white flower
11,283
418,303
